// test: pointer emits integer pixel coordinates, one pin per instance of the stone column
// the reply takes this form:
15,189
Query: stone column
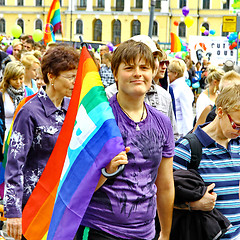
107,6
127,6
145,6
89,5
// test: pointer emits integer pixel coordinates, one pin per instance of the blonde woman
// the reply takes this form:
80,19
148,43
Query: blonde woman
183,96
209,95
13,90
31,64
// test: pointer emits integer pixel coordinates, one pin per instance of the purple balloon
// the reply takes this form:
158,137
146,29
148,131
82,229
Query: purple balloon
185,11
9,50
110,46
206,32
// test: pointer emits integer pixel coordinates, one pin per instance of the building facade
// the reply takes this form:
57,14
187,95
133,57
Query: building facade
115,20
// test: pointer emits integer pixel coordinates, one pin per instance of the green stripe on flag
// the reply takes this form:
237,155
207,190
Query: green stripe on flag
93,98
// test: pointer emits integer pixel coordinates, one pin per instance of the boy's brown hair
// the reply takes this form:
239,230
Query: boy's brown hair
128,51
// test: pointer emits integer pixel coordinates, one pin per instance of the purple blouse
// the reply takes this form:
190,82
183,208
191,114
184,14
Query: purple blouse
35,132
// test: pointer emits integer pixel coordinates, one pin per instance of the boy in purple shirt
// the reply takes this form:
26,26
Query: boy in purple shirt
125,207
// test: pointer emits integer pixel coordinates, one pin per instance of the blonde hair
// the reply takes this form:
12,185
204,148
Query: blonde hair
229,98
230,77
177,66
13,70
27,60
214,74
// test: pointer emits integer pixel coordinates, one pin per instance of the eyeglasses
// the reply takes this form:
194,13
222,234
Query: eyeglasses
234,125
70,78
166,62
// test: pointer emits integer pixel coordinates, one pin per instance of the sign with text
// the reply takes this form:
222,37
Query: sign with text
215,48
229,24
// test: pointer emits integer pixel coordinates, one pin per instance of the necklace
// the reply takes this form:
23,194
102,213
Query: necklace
137,126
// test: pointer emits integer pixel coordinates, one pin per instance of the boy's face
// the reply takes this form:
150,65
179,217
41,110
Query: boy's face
135,78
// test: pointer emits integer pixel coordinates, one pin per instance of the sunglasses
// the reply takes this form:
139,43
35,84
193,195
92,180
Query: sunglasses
166,62
234,125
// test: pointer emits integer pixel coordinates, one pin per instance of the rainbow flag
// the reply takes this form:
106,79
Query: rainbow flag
6,145
53,22
177,44
88,140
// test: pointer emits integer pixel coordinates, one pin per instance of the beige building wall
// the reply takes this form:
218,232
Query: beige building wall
165,18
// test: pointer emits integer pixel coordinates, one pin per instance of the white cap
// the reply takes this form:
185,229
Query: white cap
146,40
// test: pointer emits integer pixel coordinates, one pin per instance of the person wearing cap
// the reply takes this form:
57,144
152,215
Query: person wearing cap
157,96
124,207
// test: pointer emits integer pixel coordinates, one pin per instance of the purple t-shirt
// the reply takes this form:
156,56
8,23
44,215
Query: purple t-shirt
125,206
35,132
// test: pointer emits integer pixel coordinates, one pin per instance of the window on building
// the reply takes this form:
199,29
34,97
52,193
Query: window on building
38,3
206,4
97,30
38,24
206,25
79,27
182,3
158,4
155,29
101,3
226,5
20,22
119,5
20,2
2,25
182,29
136,28
139,3
83,3
2,2
116,39
60,1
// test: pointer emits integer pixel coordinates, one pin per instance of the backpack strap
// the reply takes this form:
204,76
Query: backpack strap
196,151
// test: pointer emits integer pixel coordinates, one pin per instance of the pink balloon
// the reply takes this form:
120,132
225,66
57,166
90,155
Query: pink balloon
185,11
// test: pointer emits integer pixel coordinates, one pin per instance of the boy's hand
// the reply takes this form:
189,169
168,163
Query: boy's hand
120,159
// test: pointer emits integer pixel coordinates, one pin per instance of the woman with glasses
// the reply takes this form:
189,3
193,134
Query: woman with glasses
220,164
31,143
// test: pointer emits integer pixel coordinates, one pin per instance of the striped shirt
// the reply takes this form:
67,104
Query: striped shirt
220,166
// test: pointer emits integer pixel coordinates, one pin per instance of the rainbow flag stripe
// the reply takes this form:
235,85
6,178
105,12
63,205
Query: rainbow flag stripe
89,139
53,22
177,44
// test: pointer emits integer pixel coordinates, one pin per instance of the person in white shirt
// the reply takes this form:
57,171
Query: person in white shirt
209,95
183,96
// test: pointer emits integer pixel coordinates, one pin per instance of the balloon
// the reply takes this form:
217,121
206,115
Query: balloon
9,50
188,21
206,33
231,47
178,55
185,11
212,32
234,44
202,29
37,35
16,31
175,23
196,85
110,46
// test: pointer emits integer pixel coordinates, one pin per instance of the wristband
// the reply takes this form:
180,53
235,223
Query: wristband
113,175
189,206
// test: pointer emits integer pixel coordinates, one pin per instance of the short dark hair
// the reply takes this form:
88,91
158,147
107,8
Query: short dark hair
58,59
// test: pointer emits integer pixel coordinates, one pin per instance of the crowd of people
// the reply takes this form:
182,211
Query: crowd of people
153,100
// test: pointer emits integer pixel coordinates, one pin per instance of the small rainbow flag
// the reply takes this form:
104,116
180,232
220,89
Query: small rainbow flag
88,140
177,44
53,22
6,145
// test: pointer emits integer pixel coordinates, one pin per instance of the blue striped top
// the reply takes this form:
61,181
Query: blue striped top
220,166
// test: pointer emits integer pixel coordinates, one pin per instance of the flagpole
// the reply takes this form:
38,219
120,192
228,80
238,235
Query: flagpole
153,3
71,24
